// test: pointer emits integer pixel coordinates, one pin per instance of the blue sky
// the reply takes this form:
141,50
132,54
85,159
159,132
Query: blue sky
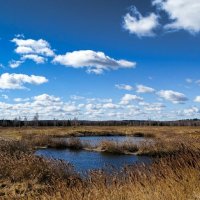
94,59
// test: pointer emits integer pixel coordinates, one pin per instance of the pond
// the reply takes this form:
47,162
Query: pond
95,140
89,160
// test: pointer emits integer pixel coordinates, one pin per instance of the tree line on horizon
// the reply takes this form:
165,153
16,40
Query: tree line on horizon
35,122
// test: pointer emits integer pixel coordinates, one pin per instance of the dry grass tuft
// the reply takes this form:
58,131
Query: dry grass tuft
70,143
118,147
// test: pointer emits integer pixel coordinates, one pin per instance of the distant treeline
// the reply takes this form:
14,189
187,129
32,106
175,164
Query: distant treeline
75,122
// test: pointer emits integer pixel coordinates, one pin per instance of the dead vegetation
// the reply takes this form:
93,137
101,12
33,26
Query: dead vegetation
173,175
144,131
149,147
125,147
23,175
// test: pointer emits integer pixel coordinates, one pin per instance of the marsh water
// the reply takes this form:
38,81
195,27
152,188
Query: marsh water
89,160
95,140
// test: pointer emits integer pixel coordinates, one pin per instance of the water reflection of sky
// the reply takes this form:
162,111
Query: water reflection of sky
87,160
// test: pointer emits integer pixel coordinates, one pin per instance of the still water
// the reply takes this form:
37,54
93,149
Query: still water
88,160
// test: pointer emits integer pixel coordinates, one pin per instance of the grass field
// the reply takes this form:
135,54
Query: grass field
162,131
174,174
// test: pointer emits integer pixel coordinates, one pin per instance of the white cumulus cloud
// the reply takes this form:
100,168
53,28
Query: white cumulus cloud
37,59
140,25
95,62
154,106
191,111
124,87
128,98
4,96
15,63
184,14
46,97
21,99
30,46
197,99
173,96
110,106
144,89
35,50
17,81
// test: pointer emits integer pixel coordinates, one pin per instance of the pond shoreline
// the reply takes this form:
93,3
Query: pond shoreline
104,144
104,134
90,149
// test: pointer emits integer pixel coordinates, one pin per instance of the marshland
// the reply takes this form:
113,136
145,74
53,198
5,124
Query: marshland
93,162
99,99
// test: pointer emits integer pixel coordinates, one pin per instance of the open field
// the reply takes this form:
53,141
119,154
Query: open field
174,174
158,131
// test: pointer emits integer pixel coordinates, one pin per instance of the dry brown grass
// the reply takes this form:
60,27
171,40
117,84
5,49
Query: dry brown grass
118,147
158,132
174,174
69,143
20,167
75,143
25,176
47,141
153,146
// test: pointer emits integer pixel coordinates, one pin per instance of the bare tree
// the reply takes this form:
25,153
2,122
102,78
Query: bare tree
36,119
75,121
25,121
15,122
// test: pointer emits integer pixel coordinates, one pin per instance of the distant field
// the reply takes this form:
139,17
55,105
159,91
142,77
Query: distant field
163,131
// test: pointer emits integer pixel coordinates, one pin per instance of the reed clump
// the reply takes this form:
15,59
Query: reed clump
147,135
69,143
75,143
162,147
118,147
38,141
